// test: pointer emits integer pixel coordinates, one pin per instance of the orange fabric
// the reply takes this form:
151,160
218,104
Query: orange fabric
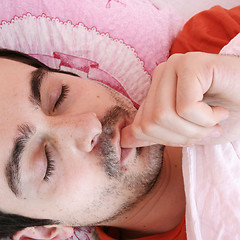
178,233
207,31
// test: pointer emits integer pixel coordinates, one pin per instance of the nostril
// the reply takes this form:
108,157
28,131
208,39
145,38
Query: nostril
94,141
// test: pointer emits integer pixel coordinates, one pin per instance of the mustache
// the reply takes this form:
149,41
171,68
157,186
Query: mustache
106,150
112,116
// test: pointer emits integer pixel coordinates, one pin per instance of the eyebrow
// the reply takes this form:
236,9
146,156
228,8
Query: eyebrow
24,133
12,171
37,77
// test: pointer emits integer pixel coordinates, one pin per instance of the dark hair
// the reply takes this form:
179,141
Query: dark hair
11,223
29,60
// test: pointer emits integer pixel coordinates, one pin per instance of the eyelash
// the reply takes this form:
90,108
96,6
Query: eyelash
63,95
50,164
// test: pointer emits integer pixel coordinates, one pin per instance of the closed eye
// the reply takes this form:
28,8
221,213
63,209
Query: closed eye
62,97
50,164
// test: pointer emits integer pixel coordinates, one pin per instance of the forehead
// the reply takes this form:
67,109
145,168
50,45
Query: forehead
12,69
14,91
15,87
14,77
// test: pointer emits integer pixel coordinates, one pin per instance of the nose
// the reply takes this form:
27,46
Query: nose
80,131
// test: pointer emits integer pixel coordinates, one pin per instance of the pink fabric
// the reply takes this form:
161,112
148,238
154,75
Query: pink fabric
138,23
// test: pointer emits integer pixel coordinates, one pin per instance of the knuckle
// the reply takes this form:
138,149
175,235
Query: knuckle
190,56
183,110
180,59
147,128
175,57
136,131
161,117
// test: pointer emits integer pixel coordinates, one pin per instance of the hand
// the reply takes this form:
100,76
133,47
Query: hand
190,97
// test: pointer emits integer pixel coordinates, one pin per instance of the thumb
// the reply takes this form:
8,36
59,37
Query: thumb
128,139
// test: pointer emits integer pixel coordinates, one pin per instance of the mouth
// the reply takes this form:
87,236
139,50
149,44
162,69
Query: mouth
109,141
123,152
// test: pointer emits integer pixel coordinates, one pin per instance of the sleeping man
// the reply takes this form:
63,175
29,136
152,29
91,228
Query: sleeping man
77,153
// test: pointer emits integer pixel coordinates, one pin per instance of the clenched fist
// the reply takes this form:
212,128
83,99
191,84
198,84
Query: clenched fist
194,98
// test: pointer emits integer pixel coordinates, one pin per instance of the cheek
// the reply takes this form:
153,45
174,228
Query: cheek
83,178
92,97
90,202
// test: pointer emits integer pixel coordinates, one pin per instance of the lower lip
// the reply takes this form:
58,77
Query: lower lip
125,153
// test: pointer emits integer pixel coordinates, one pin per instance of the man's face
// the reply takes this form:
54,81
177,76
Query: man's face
60,152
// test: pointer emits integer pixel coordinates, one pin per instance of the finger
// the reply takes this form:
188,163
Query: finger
202,114
129,134
135,136
189,100
129,140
